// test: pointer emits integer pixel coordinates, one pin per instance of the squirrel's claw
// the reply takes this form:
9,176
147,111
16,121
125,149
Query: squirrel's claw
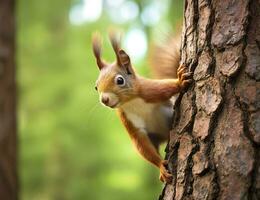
165,176
180,71
185,78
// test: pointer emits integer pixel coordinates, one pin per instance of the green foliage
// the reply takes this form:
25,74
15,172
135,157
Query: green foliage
70,146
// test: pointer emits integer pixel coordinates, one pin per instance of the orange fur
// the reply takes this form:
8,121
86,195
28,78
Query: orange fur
152,90
141,141
139,100
145,147
164,58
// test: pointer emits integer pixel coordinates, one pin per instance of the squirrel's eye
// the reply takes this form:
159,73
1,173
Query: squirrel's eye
120,80
96,88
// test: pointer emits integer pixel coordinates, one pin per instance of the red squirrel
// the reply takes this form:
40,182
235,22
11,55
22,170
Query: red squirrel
142,104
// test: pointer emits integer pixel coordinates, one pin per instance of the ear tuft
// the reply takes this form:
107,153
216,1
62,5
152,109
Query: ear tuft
96,46
122,58
115,39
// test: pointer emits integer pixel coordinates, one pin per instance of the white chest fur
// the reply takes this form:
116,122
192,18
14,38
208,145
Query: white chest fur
148,117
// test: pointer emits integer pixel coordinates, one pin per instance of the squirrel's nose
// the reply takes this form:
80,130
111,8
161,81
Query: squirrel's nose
105,100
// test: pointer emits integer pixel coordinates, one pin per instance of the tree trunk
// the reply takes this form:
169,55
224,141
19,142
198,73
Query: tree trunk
214,147
8,163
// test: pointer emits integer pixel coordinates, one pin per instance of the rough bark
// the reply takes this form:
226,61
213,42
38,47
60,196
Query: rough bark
214,147
8,163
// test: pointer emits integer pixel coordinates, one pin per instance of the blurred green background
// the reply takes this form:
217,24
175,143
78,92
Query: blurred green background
71,147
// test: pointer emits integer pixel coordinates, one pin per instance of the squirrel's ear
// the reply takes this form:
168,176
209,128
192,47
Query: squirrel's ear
96,46
124,61
122,58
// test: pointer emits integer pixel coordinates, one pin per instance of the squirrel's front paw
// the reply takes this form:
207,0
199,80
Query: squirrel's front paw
184,78
165,176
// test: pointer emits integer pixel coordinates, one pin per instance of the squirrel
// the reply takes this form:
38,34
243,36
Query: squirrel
142,104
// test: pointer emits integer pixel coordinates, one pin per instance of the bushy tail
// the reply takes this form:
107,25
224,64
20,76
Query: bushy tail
164,58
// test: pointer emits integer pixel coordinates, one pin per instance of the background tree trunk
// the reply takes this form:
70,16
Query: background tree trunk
214,147
8,163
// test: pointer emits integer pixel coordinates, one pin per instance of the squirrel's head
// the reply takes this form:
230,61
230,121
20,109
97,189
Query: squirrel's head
116,81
